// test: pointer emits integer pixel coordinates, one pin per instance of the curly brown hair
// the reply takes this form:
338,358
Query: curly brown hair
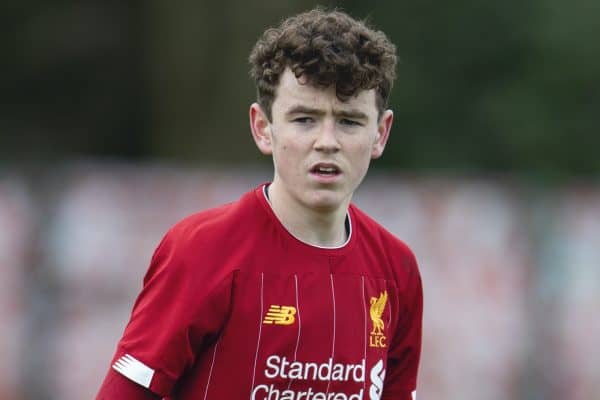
325,48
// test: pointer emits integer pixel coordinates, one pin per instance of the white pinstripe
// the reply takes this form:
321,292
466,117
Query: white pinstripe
299,325
212,363
334,320
262,277
366,327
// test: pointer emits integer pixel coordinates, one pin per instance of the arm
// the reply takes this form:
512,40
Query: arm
182,306
405,349
116,386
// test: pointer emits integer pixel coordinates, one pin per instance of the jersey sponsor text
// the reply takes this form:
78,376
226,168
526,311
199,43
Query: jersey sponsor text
281,367
377,376
278,367
269,392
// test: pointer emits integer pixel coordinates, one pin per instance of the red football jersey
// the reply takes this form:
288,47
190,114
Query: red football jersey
235,307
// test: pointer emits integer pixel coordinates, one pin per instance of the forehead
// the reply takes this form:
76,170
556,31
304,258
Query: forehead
291,92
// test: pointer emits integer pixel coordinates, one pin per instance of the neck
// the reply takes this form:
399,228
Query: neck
318,227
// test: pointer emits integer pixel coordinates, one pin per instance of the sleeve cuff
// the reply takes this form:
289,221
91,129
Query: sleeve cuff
138,371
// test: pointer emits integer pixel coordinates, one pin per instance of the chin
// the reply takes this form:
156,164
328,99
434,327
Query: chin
325,201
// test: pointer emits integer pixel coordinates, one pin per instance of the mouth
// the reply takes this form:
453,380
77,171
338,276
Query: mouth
326,170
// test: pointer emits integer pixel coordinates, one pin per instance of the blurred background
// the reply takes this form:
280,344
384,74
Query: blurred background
119,118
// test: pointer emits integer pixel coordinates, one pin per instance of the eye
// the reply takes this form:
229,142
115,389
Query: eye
303,120
349,122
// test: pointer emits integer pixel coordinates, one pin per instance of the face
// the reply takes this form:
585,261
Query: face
321,147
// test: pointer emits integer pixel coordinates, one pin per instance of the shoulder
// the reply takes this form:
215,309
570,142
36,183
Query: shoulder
374,233
223,223
204,242
392,254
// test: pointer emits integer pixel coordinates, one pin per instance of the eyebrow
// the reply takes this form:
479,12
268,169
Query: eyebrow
352,113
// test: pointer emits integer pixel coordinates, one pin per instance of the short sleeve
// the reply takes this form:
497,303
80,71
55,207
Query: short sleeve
179,312
405,350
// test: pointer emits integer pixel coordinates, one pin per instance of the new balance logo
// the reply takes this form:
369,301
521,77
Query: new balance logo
280,315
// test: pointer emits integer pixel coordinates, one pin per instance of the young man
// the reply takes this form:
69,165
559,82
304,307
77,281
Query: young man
291,292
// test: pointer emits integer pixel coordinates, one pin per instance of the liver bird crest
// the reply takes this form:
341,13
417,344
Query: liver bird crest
377,307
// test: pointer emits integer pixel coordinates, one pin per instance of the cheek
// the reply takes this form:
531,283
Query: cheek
283,152
285,159
361,158
363,152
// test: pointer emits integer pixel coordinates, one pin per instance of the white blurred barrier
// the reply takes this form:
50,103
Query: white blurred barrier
471,243
509,283
107,223
16,230
570,260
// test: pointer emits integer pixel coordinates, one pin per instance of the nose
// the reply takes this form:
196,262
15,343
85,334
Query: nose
327,139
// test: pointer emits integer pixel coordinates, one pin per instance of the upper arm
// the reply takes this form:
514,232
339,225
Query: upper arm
116,386
181,307
405,350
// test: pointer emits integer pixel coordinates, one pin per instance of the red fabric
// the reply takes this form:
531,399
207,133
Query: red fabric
199,321
117,387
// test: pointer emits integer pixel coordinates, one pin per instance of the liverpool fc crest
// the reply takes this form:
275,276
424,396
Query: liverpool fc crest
377,338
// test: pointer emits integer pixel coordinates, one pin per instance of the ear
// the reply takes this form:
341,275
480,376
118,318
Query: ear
383,133
261,129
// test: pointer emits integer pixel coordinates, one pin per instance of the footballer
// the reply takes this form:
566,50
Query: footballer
291,292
